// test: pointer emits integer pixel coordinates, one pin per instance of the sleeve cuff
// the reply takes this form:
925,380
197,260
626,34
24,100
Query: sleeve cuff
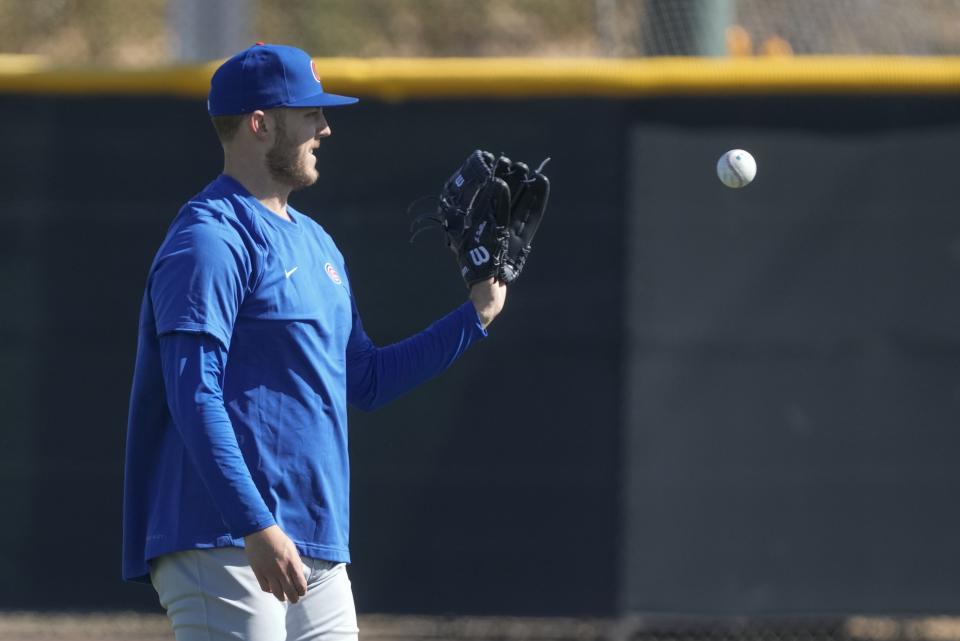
472,320
262,524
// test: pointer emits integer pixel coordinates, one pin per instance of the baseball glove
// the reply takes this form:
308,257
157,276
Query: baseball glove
489,210
529,191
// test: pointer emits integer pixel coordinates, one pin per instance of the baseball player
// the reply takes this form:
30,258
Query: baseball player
250,347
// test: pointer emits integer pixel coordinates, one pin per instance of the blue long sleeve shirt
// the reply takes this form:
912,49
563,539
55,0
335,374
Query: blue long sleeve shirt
250,347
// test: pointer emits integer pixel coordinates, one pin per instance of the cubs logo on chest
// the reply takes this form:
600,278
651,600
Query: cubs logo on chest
332,273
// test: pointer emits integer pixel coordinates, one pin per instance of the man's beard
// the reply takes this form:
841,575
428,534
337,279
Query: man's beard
285,163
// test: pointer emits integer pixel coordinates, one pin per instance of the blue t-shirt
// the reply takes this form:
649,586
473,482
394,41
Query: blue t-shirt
246,426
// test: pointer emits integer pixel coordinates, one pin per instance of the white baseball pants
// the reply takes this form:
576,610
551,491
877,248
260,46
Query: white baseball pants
213,595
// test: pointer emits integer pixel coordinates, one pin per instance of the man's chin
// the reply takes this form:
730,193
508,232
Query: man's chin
307,180
295,175
302,180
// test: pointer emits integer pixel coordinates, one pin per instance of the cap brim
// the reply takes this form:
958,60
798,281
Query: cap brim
323,100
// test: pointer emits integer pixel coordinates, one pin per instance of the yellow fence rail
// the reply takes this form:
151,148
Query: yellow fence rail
422,78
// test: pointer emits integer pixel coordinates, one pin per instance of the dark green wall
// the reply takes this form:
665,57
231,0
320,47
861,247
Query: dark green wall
578,461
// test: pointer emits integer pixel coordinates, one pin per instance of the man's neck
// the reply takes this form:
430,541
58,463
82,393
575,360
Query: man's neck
261,186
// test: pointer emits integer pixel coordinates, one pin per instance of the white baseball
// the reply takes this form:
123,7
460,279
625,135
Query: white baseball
736,168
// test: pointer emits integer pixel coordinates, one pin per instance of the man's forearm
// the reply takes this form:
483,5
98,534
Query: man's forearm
488,298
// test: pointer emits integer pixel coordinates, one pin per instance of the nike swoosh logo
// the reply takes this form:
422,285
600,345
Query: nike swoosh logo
290,273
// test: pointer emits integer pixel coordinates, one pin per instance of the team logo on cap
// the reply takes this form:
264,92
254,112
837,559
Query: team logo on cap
313,69
332,273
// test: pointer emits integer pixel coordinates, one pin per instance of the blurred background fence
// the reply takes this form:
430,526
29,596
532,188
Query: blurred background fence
738,410
156,32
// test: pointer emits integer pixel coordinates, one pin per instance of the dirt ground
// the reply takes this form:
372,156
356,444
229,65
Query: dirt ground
33,626
131,626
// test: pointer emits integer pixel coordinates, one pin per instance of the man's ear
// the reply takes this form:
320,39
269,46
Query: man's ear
257,123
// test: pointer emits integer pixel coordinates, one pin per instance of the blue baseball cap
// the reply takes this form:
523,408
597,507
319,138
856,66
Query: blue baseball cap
267,76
